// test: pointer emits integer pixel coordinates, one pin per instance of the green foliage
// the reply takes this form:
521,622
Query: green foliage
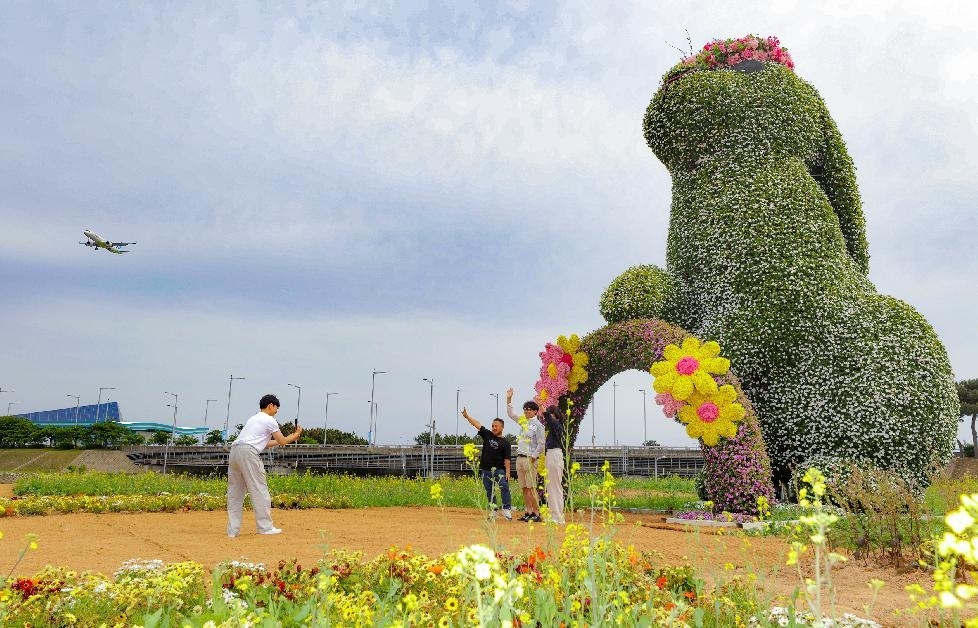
424,438
639,292
968,397
159,437
17,431
109,435
768,254
667,493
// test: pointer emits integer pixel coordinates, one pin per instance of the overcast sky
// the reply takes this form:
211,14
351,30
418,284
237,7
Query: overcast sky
428,189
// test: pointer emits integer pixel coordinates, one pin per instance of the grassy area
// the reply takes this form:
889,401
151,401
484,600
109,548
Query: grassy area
659,494
42,459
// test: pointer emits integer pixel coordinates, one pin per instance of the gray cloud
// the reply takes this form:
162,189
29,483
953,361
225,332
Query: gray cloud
434,190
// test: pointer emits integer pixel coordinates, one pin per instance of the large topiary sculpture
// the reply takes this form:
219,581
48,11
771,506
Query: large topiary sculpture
767,255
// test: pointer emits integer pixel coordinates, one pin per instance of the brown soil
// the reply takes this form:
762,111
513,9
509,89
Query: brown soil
963,467
102,542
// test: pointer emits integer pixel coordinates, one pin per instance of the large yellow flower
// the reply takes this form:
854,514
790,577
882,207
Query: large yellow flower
711,417
689,368
578,374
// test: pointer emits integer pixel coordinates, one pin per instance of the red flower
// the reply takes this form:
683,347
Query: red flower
661,582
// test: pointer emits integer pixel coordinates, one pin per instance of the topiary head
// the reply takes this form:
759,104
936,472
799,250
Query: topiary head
739,95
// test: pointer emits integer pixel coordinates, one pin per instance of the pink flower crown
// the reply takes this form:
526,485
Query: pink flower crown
729,52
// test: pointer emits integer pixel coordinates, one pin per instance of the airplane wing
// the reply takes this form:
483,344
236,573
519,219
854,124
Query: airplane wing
120,243
112,249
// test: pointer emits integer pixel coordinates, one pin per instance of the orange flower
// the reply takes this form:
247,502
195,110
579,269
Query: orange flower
661,582
436,569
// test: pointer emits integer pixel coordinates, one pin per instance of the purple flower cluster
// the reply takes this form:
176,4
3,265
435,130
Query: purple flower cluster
707,515
738,470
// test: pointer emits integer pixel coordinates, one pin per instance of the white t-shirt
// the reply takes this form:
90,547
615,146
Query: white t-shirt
257,431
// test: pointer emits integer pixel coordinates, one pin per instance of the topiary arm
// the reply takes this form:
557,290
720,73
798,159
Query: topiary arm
835,173
639,292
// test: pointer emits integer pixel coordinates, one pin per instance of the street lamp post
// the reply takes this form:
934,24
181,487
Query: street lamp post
592,421
77,403
207,405
11,403
98,405
496,395
431,421
645,424
227,420
298,402
326,417
614,412
372,431
457,391
173,405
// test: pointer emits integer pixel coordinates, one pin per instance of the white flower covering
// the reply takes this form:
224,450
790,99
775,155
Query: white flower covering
767,255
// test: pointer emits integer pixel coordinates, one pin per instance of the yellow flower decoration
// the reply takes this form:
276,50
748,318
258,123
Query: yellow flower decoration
578,374
689,368
711,417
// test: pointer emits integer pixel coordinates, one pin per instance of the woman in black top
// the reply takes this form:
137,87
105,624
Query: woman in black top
554,423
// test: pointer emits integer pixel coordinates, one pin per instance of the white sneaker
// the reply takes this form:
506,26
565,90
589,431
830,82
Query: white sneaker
508,514
272,531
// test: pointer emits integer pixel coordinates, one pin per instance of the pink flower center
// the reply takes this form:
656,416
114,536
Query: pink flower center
708,412
687,365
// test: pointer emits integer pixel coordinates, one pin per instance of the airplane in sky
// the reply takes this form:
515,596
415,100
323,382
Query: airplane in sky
95,241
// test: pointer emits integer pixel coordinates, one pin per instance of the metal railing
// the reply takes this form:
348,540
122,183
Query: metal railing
419,460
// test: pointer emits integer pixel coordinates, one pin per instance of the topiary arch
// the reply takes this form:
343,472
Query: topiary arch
737,471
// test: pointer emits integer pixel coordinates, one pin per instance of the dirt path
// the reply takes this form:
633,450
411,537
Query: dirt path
102,542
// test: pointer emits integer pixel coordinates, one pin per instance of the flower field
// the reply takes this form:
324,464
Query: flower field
427,563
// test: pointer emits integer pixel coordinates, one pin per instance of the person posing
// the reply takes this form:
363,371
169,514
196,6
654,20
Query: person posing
246,472
494,462
529,446
554,423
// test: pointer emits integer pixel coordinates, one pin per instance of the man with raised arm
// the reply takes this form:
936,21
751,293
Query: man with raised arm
529,447
494,462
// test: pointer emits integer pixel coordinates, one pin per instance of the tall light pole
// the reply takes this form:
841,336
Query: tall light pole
457,391
592,421
298,402
77,403
614,411
496,395
645,424
173,405
431,421
227,420
326,418
98,405
372,432
11,403
207,405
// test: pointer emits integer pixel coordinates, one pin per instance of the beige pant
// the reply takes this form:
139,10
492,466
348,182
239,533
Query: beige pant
246,473
526,472
555,484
